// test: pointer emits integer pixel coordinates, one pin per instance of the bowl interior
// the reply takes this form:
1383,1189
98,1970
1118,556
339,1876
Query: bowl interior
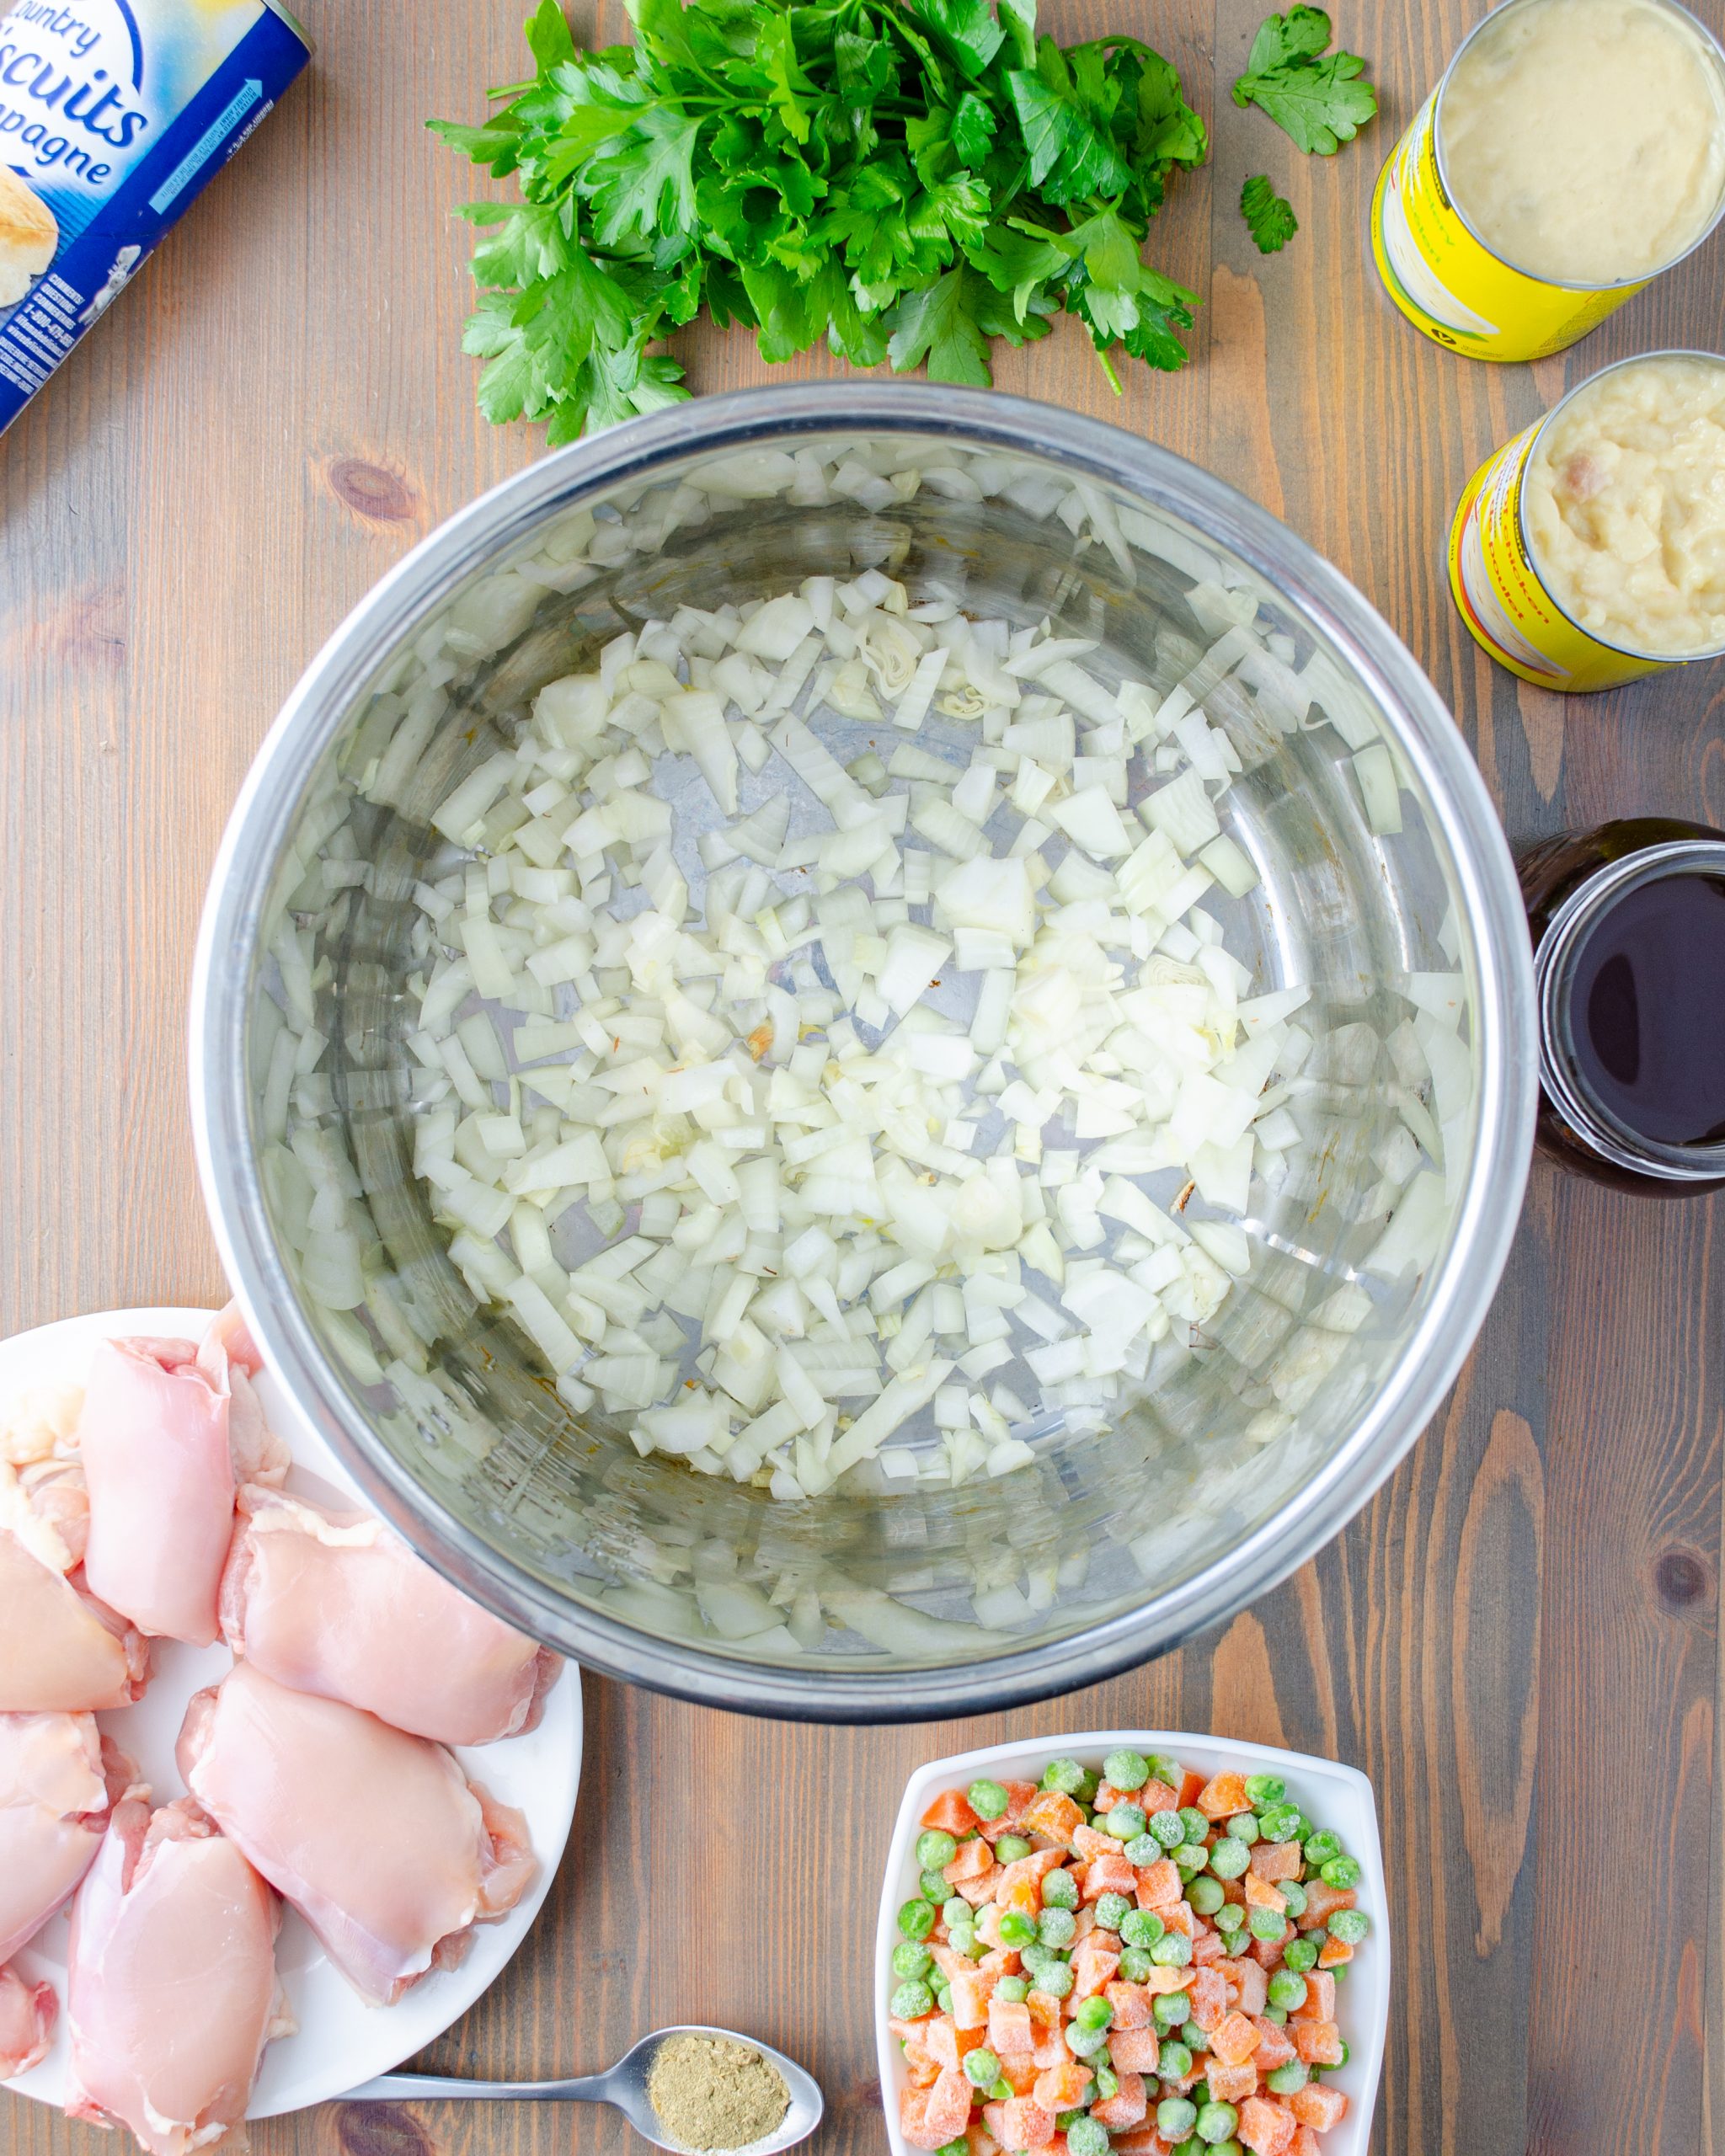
549,1510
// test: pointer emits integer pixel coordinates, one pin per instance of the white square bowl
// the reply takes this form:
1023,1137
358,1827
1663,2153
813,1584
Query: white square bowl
1333,1795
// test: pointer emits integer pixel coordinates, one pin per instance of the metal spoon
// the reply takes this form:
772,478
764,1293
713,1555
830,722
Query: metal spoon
624,2085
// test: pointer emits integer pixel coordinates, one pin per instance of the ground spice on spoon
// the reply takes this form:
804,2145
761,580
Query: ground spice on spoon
711,2094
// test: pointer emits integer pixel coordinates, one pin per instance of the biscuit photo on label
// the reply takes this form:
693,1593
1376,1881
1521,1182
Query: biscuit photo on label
30,232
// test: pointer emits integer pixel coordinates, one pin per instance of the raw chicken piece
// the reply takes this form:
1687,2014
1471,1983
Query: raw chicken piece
377,1838
60,1647
28,2012
168,1430
335,1603
172,1994
58,1778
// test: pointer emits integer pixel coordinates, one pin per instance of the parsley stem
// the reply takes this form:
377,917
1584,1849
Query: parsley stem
1107,368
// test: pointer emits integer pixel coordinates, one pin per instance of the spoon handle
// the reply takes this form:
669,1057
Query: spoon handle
584,2089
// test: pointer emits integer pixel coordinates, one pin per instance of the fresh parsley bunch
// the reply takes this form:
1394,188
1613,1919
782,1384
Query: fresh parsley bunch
908,179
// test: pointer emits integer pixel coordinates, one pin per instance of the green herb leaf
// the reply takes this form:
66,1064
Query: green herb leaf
1269,219
908,179
1313,96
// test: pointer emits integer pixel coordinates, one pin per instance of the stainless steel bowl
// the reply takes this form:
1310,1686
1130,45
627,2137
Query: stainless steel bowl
1110,1547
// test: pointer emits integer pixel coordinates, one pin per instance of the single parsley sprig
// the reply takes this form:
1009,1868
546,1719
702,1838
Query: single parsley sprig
1269,219
1312,94
907,178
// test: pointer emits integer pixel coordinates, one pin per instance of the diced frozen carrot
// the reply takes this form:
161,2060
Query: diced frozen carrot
1126,2108
1233,2040
1009,2033
1022,1895
1334,1953
1264,2127
1276,1860
971,1989
1049,2048
949,2104
1254,1987
1089,1845
1177,1916
980,1889
1019,1797
1319,2043
1137,2051
1159,1884
1318,2106
949,1960
1107,1796
1003,1961
1166,1980
1275,2046
910,2032
1131,2005
1155,1796
1020,2074
1232,2085
1050,1812
1142,2141
1092,1965
941,2038
1222,1797
1209,1998
1044,2008
913,2119
1190,1785
980,2142
1029,1869
972,1856
1261,1894
1321,1902
1109,1873
1207,1948
1319,2004
1063,2086
951,1812
994,2118
1267,1952
1027,2124
921,2069
1304,2143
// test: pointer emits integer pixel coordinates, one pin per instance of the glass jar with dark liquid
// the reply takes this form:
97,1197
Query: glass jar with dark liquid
1628,923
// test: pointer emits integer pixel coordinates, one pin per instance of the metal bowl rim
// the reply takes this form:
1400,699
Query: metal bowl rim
1484,1221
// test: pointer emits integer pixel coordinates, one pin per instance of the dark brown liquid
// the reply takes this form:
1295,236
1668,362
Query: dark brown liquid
1646,1010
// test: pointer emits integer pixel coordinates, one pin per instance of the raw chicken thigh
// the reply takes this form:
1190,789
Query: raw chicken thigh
58,1777
27,2017
167,1432
377,1837
60,1647
333,1603
172,1993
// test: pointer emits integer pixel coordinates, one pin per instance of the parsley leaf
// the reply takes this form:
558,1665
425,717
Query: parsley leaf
908,179
1312,94
1269,219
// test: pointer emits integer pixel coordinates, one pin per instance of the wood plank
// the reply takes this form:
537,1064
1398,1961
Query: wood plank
1520,1625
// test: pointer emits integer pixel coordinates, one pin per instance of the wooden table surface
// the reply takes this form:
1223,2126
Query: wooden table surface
1516,1639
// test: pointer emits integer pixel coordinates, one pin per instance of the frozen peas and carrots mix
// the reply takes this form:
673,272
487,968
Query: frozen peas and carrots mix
1138,1960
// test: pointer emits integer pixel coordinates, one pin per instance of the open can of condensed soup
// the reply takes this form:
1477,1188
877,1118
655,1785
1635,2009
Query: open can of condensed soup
1590,550
1573,150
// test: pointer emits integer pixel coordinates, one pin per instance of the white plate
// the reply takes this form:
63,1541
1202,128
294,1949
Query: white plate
341,2041
1333,1795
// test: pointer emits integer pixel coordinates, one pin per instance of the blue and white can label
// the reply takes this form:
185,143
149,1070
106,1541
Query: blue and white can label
114,115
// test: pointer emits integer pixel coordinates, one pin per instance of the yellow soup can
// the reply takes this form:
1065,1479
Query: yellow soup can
1458,285
1505,592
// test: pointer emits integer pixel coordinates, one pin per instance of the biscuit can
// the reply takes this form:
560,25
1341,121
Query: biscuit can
114,115
1495,578
1442,276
